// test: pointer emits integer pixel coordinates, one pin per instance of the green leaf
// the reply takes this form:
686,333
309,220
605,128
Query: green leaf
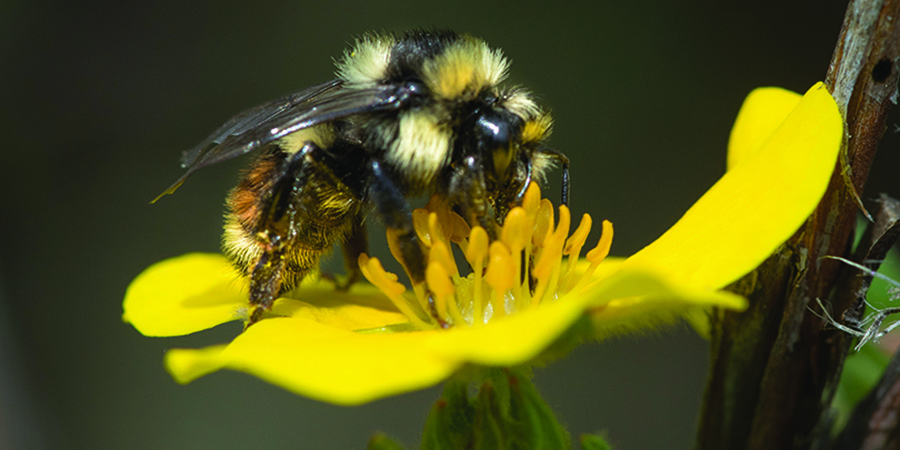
860,374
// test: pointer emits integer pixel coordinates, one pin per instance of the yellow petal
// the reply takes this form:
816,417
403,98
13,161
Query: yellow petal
646,312
519,338
322,362
757,205
363,307
641,301
761,114
187,365
183,295
198,291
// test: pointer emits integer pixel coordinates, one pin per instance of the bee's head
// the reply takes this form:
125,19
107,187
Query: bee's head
500,143
496,136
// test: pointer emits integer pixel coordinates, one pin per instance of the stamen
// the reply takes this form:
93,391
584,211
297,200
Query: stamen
440,254
385,281
597,254
418,289
573,249
499,276
549,261
520,270
420,223
515,234
442,288
543,223
476,252
532,200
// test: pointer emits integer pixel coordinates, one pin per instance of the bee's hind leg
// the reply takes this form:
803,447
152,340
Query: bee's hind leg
278,180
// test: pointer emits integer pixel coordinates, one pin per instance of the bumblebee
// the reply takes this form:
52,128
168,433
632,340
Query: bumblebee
422,113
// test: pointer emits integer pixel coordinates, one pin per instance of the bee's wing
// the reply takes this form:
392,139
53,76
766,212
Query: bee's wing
256,127
248,120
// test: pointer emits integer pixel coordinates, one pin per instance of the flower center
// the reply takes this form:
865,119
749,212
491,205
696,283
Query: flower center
520,270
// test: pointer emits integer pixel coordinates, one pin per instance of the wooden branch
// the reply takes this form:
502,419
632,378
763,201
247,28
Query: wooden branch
774,367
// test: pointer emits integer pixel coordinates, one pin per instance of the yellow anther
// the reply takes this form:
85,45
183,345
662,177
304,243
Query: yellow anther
440,254
499,271
543,223
595,257
576,241
373,271
420,223
439,281
565,220
601,251
478,246
435,229
532,200
515,233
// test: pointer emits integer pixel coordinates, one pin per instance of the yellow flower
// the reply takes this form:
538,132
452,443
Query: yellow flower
357,346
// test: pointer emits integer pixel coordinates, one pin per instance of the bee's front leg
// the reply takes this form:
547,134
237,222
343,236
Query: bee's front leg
563,161
468,191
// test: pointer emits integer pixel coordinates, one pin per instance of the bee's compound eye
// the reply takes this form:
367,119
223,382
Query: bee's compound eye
494,131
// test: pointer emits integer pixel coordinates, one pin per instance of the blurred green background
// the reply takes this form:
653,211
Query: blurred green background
99,99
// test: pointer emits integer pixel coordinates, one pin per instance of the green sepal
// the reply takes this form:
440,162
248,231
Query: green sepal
531,418
449,424
507,412
490,424
381,441
594,442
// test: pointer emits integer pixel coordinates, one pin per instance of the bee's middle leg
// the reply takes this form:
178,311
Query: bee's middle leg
357,243
395,211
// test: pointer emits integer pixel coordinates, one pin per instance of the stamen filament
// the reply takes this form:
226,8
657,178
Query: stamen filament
499,276
515,235
476,252
387,283
573,250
